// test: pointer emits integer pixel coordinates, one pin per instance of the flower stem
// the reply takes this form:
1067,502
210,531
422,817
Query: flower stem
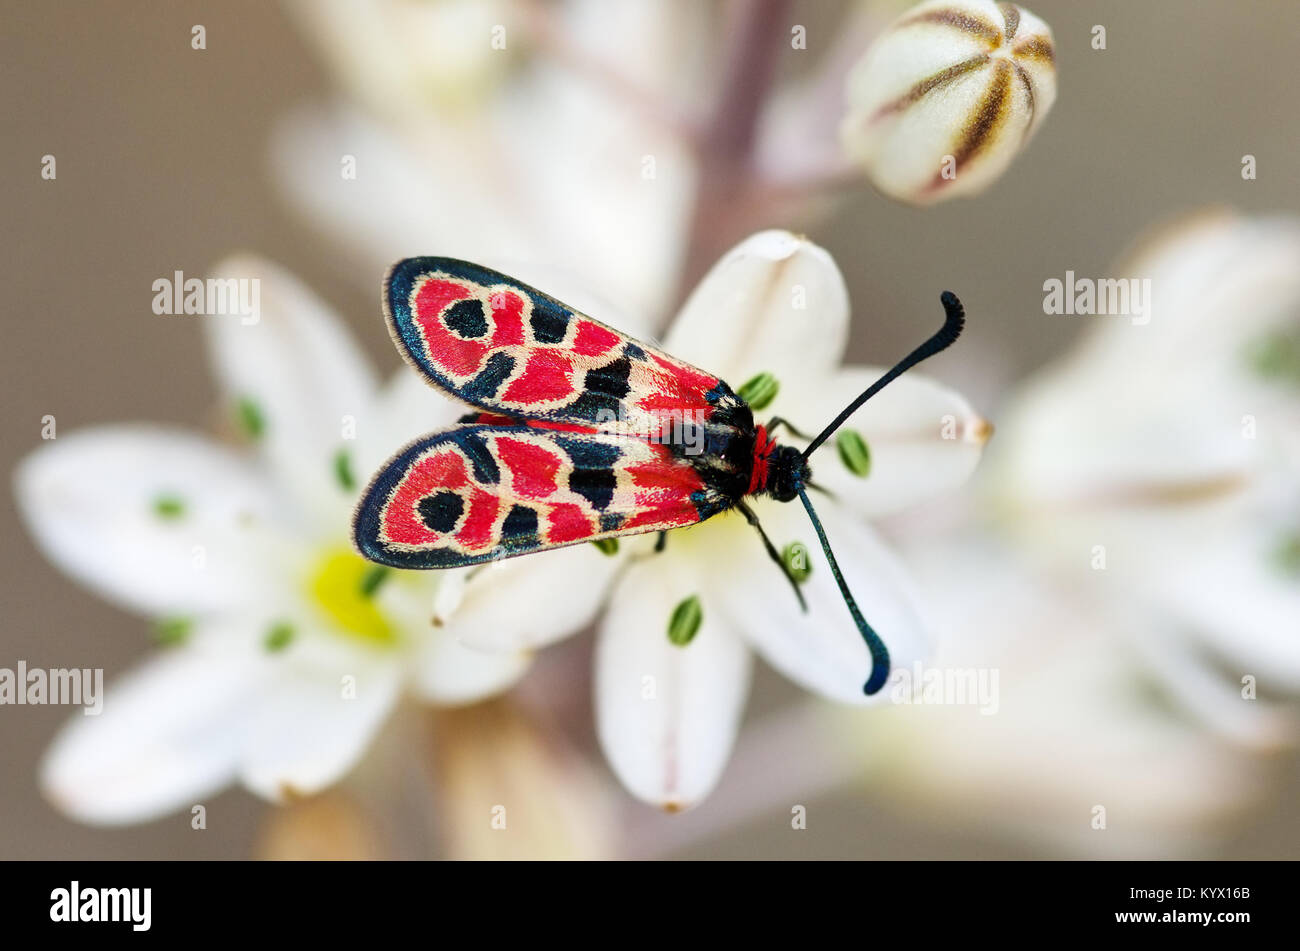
726,151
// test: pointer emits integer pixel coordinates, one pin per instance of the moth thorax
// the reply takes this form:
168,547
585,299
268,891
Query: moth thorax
787,469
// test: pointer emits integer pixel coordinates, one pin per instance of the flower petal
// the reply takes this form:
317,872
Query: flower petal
1071,723
1234,595
775,303
924,439
169,735
820,650
451,674
399,203
310,724
1218,283
406,408
508,209
521,603
400,58
302,375
667,716
153,519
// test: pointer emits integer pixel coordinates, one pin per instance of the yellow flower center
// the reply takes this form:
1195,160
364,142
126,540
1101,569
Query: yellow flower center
344,586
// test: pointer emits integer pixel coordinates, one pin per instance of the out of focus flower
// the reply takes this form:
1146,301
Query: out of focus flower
1150,479
286,650
330,827
400,56
494,780
668,708
510,788
551,168
1159,463
1076,745
947,96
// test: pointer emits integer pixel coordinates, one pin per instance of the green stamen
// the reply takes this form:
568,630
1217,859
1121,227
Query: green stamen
797,561
343,470
278,637
373,579
169,507
854,452
685,621
250,418
173,630
759,391
1287,555
1276,356
607,546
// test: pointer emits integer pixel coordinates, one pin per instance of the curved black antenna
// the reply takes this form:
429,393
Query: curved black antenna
879,652
954,320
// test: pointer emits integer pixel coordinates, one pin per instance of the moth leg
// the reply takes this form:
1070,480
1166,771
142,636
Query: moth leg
773,553
661,543
778,421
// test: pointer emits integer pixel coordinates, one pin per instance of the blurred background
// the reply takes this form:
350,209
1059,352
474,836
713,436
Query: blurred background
170,158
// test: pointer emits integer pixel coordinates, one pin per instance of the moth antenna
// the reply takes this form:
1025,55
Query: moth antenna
954,321
879,652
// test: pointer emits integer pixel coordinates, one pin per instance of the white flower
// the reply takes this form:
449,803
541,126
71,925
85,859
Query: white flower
292,649
1074,746
667,715
508,785
1144,542
551,168
1171,451
947,96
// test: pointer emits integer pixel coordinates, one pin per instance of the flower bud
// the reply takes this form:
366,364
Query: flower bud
946,96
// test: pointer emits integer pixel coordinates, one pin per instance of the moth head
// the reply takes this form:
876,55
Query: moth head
787,470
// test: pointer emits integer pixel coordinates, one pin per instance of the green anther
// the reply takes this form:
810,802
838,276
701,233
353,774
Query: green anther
607,546
1287,555
278,637
854,452
1277,356
685,621
373,579
173,630
250,418
759,391
343,470
797,561
169,507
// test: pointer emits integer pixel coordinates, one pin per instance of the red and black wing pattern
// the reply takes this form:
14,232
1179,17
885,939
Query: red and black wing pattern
580,432
499,345
479,492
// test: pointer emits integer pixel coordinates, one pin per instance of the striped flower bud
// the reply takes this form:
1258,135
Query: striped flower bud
947,95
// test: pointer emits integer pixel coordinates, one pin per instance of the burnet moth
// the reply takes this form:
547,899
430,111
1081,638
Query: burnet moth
580,433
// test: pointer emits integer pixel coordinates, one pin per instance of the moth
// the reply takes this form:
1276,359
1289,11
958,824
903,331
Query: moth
579,433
